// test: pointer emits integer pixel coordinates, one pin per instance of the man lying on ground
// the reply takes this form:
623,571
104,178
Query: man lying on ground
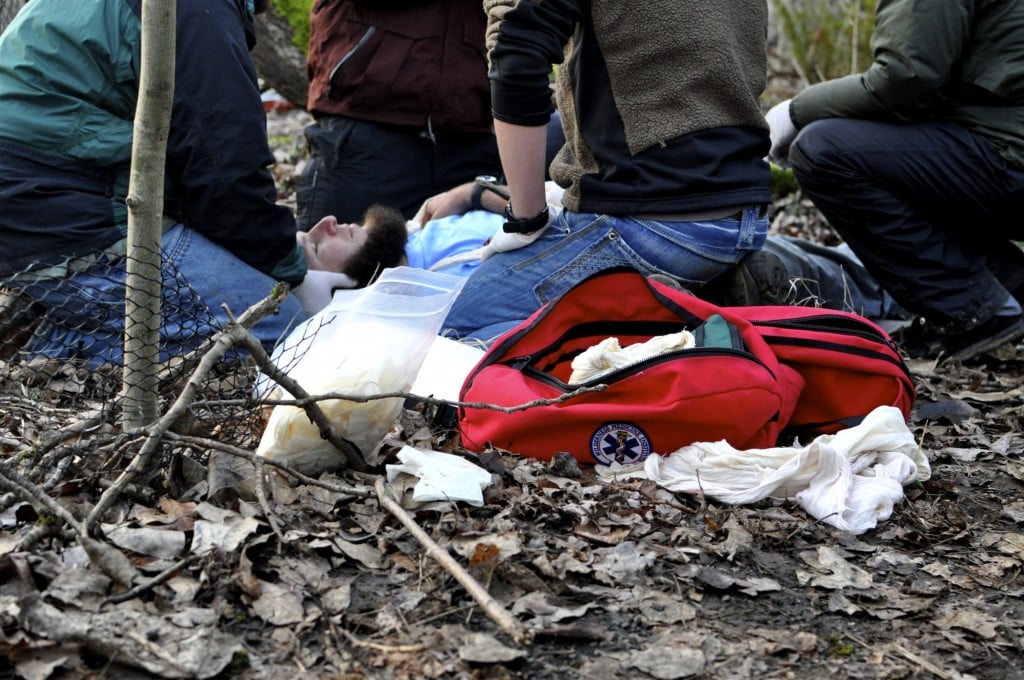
450,236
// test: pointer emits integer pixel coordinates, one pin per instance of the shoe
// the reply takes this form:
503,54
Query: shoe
922,339
667,280
760,278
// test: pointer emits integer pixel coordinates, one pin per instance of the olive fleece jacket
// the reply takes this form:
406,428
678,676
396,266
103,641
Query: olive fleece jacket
659,100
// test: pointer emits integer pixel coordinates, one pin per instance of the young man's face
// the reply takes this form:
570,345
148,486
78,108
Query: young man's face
362,252
330,246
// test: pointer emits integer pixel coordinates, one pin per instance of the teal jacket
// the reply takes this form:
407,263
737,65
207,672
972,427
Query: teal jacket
936,60
69,80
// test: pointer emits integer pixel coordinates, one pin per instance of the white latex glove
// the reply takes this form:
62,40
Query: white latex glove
503,241
782,132
317,289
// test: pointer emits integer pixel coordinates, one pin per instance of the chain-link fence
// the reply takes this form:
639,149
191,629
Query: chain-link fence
61,373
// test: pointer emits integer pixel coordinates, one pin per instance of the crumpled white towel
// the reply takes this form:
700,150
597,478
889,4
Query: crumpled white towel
851,479
443,476
608,355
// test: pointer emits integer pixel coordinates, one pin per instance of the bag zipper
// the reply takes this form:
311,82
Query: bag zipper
840,325
522,364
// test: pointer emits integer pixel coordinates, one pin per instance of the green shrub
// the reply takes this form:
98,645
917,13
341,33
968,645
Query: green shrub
783,182
297,13
827,38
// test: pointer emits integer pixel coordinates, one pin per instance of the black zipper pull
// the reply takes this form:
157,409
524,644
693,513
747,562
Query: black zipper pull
519,363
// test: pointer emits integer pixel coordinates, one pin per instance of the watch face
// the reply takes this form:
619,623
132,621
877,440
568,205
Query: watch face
486,178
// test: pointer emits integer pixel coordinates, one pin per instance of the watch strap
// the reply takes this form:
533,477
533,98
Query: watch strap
516,225
476,195
482,184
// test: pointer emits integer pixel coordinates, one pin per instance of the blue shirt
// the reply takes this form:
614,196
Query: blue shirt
452,236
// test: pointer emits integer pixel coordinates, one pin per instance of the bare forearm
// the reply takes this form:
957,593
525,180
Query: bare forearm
522,152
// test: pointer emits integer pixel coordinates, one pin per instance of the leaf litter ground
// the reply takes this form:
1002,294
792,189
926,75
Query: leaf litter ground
622,579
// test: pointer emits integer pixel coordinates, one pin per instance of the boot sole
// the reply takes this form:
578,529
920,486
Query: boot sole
1008,334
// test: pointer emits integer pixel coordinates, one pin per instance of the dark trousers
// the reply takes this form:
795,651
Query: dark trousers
930,209
354,164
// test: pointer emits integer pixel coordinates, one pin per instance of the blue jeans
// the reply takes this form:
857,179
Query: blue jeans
929,208
508,287
832,277
84,317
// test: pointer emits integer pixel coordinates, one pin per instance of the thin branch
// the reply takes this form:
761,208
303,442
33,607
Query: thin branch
376,646
255,458
235,334
498,613
38,533
308,399
352,454
226,339
37,497
261,496
270,305
163,576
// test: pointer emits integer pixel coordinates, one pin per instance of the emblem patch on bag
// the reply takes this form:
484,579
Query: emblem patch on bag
621,443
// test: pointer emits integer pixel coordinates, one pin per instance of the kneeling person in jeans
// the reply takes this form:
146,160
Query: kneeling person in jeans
918,163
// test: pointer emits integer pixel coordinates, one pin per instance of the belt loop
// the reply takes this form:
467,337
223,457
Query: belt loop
429,132
748,226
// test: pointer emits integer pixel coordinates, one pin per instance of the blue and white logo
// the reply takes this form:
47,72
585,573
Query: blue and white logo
621,443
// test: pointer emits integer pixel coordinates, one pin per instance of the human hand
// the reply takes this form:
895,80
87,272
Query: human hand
782,132
503,241
317,289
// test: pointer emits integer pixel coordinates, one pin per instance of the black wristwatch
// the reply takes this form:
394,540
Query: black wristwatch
514,225
480,185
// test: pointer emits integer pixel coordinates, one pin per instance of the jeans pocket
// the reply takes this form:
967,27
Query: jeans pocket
597,255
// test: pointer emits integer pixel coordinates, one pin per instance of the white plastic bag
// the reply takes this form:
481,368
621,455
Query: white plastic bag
364,343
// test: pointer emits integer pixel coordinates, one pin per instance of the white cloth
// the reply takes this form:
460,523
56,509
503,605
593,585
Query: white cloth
443,476
851,479
317,289
608,355
782,132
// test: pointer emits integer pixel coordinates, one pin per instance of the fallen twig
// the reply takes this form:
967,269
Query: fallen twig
357,491
261,496
921,662
38,533
141,460
353,457
235,334
37,497
494,609
376,646
163,576
309,399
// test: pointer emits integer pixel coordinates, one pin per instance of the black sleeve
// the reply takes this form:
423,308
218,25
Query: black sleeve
532,36
218,153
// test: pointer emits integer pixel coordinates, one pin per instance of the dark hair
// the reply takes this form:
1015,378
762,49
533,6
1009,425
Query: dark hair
261,6
384,247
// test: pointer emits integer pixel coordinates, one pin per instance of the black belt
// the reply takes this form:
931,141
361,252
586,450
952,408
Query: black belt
714,214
